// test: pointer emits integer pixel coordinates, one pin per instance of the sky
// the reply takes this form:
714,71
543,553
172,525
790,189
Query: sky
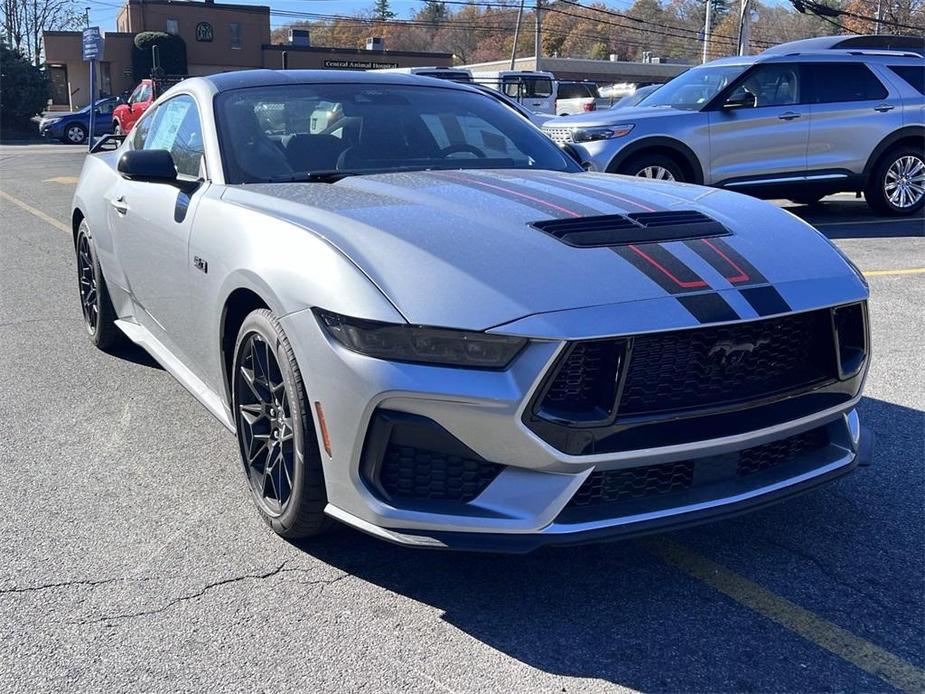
103,12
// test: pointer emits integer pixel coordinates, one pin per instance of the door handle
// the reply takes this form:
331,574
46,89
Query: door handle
119,205
883,108
790,115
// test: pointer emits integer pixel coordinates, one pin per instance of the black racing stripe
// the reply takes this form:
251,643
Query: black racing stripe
521,185
662,267
766,301
727,261
620,200
535,199
708,308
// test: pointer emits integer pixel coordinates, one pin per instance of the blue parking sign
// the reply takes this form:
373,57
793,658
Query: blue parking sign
92,44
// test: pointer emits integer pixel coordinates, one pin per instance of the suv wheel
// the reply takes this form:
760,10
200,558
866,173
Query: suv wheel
897,184
657,166
276,433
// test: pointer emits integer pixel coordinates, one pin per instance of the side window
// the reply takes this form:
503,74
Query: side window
770,85
176,128
839,82
234,32
139,133
145,95
914,75
135,97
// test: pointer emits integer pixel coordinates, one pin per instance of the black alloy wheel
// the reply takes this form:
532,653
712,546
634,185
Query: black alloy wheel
95,304
265,419
276,434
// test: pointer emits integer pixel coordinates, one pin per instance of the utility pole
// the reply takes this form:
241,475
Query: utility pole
87,16
879,16
537,39
707,28
744,21
520,16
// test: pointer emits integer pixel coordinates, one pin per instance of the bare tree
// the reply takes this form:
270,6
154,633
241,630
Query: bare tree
24,21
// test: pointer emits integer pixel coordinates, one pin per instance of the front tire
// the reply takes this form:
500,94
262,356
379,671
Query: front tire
98,312
275,430
656,166
897,184
74,134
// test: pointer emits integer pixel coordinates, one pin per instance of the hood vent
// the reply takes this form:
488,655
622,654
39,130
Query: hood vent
635,228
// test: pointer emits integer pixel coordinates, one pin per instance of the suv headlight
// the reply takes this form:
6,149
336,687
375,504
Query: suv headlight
420,344
602,133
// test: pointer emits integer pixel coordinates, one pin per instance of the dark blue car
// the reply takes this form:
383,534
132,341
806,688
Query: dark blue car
72,128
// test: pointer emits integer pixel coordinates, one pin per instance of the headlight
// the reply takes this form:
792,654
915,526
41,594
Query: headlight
421,344
50,121
603,133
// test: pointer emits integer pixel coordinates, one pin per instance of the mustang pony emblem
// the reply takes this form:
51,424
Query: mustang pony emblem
731,353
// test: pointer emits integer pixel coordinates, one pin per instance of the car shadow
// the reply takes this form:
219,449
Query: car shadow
130,352
840,218
615,612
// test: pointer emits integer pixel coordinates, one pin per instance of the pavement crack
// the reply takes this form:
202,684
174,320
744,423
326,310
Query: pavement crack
183,598
66,584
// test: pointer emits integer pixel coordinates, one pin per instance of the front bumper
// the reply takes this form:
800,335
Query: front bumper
526,505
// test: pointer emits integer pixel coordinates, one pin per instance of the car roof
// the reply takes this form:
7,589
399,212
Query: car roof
819,55
882,42
268,78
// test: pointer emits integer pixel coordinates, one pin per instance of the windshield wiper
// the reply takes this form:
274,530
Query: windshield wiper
331,176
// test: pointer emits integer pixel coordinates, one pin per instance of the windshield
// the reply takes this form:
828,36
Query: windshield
692,90
279,133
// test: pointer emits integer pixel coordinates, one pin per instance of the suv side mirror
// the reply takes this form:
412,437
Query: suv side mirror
739,99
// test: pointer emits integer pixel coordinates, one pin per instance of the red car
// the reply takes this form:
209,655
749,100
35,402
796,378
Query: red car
125,115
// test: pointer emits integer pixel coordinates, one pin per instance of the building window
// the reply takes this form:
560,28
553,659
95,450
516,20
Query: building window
234,30
173,26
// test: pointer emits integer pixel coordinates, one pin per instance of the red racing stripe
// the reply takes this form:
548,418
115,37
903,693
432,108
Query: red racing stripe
514,193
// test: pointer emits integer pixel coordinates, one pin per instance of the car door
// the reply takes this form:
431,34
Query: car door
759,128
151,222
138,104
852,112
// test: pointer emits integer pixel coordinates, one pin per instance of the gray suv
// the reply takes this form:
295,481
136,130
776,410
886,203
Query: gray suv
797,125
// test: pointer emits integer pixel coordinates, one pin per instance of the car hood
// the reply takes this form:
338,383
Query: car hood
458,249
622,115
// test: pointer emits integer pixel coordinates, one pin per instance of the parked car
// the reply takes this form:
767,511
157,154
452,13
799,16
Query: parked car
798,125
72,128
578,97
634,99
535,89
536,118
432,325
125,115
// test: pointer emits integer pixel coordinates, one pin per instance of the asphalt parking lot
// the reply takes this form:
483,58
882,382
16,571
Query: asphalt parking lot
133,559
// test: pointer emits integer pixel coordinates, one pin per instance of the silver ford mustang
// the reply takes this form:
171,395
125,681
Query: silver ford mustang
422,319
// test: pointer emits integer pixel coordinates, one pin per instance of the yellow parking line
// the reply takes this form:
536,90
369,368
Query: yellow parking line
38,213
67,180
857,651
887,273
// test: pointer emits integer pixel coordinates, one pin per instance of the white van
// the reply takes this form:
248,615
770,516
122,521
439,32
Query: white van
453,74
534,89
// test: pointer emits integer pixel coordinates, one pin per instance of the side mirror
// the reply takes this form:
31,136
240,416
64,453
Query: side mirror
574,155
153,166
739,99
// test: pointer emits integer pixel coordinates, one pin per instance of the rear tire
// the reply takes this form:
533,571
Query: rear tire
896,186
275,430
98,312
653,165
116,128
74,134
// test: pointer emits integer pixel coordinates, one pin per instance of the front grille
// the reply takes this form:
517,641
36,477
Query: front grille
409,472
633,483
770,455
611,486
731,363
586,382
560,136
